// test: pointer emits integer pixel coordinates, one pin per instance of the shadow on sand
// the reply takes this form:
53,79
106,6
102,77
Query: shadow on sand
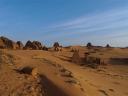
51,88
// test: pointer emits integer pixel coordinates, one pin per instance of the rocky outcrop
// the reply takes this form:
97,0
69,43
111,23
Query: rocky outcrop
6,43
108,46
56,44
28,45
45,48
20,45
76,57
35,45
57,47
94,62
89,45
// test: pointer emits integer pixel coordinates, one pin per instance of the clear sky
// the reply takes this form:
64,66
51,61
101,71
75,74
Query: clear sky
66,21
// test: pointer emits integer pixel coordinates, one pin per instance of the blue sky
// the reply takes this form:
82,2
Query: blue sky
70,22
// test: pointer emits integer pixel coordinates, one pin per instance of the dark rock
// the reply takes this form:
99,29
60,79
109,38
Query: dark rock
45,48
35,45
89,45
20,45
108,46
6,43
56,46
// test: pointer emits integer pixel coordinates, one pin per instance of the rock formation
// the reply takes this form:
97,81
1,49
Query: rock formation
28,45
89,45
35,45
45,48
56,46
94,62
108,46
76,57
6,43
20,44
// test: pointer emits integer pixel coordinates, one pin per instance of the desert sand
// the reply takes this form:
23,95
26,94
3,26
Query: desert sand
52,73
